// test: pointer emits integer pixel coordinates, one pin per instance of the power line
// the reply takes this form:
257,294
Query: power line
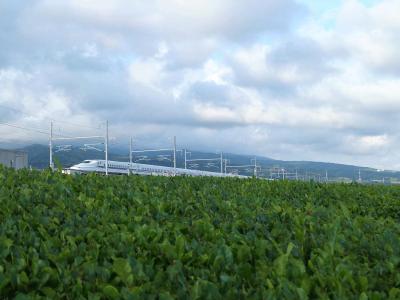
50,119
24,128
75,124
37,130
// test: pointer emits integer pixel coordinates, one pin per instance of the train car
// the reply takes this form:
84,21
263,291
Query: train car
126,168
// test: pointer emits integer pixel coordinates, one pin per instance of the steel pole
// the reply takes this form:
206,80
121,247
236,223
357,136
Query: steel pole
226,162
185,159
106,147
51,146
222,167
174,155
130,156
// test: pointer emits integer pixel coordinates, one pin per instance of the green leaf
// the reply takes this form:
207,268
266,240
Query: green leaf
49,292
244,253
165,296
23,278
122,267
363,296
394,293
111,292
21,296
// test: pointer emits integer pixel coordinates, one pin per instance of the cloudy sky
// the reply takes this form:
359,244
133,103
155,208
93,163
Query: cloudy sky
295,80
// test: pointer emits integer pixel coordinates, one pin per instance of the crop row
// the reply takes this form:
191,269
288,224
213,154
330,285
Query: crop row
79,237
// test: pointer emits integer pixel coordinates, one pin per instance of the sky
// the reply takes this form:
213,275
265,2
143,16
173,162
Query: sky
295,80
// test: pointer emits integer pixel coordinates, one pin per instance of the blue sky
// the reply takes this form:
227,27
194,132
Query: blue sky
296,80
322,6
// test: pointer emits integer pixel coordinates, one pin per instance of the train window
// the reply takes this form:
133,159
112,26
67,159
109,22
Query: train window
86,161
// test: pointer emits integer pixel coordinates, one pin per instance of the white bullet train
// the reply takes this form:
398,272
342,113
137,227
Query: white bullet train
125,168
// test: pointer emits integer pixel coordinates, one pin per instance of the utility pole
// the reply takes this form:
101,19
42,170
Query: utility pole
283,173
51,146
185,159
359,176
130,156
297,175
255,167
222,165
106,147
226,162
174,155
326,176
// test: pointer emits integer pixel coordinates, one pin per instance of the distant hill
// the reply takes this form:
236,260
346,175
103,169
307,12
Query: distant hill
39,158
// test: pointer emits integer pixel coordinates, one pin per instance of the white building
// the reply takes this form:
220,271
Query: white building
14,158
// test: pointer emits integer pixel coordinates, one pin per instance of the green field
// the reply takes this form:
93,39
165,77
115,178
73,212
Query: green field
65,237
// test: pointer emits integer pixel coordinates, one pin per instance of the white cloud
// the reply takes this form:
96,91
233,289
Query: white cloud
290,86
364,145
212,114
148,72
27,101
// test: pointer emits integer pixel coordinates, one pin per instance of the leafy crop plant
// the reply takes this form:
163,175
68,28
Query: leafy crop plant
95,237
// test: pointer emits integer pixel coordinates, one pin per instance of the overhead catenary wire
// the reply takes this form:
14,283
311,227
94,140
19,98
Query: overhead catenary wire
37,130
25,128
51,119
286,174
64,137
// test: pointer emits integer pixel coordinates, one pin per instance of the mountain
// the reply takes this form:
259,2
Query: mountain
39,158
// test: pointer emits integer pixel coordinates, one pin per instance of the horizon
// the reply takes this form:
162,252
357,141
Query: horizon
292,80
118,151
